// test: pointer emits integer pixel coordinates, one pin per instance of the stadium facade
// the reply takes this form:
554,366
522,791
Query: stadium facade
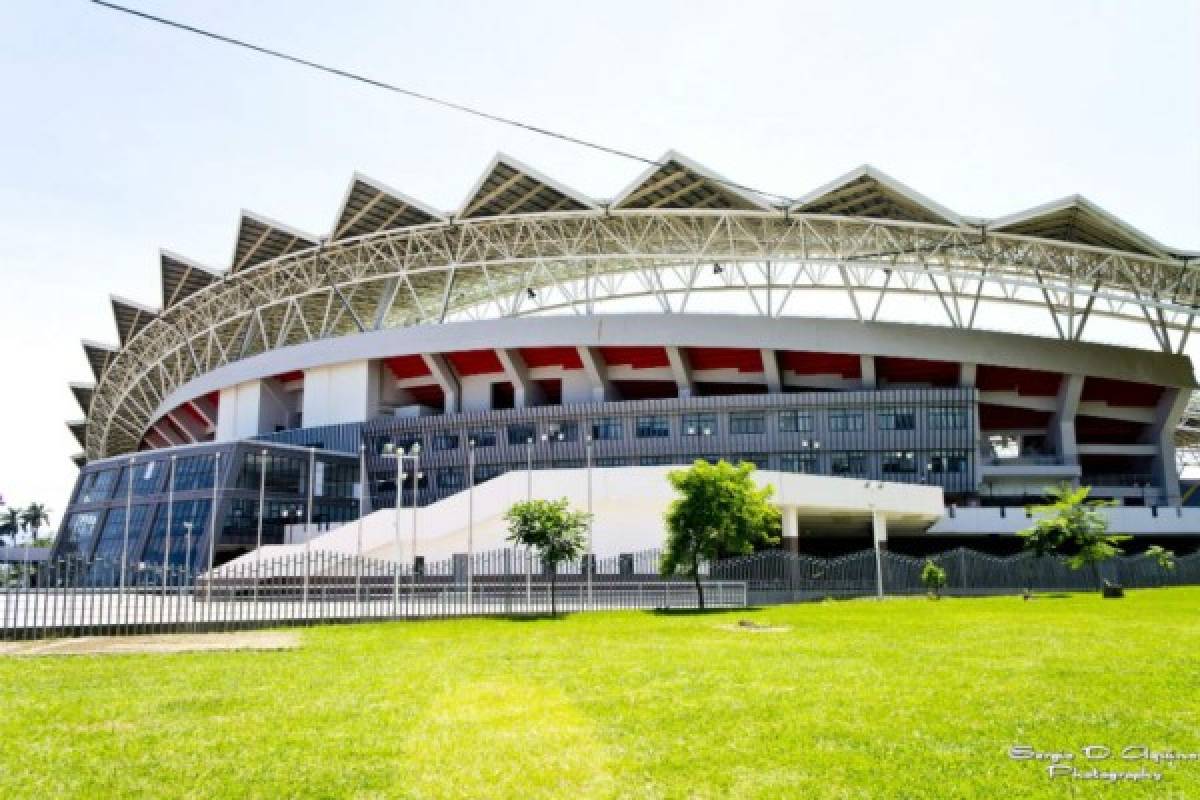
864,333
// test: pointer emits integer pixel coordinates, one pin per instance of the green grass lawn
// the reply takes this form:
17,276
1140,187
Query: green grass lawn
907,698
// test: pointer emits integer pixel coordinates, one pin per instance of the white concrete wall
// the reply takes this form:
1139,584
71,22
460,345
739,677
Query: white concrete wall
1122,519
249,409
346,392
629,503
477,391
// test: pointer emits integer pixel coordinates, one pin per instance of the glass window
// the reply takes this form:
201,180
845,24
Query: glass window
612,461
111,540
193,472
445,441
607,429
845,419
187,514
79,530
699,424
485,472
899,461
567,463
450,478
482,438
948,461
897,419
522,433
655,461
759,460
947,417
96,486
849,462
747,422
147,477
793,421
566,430
653,427
285,473
798,462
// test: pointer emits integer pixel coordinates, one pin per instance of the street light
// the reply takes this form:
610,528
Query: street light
128,509
262,508
170,521
391,451
212,533
528,498
470,520
590,556
415,450
312,479
362,510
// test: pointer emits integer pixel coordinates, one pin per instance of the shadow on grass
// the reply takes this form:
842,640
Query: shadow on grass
697,612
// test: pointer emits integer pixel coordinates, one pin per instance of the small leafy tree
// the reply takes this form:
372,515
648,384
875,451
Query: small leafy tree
1164,558
720,512
934,578
556,532
1075,526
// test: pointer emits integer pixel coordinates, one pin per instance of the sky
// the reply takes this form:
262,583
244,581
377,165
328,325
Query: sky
120,137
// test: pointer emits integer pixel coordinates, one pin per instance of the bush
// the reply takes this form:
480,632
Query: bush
934,578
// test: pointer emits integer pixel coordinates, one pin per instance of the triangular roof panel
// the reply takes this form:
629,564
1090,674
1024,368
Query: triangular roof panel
98,356
182,277
261,239
130,317
869,192
370,206
1079,220
78,429
509,187
79,460
678,182
83,395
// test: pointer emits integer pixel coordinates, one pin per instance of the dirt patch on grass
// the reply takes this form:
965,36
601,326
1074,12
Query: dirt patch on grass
748,626
155,643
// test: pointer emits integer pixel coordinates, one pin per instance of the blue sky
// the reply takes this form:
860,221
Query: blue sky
121,137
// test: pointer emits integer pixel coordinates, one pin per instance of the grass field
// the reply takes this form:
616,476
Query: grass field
907,698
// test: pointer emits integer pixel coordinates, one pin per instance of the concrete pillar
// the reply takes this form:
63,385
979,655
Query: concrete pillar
879,535
771,372
1062,424
1171,408
681,371
867,368
446,379
966,375
790,539
526,393
597,375
251,408
341,393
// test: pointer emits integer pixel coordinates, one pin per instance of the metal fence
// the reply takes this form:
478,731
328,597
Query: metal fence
76,598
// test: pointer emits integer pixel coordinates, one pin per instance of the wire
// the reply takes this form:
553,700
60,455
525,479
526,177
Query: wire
412,93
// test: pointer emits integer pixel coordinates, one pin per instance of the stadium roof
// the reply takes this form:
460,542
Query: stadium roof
509,187
678,182
370,206
868,192
1077,219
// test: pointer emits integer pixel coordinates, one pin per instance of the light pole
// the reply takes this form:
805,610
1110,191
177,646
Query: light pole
416,472
128,510
528,498
590,557
170,521
312,479
362,510
391,451
187,553
262,509
470,519
212,533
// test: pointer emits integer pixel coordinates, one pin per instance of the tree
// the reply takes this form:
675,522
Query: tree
720,512
35,516
934,578
556,532
1164,558
11,524
1075,526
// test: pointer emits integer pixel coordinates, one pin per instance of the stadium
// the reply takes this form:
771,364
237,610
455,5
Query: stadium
894,368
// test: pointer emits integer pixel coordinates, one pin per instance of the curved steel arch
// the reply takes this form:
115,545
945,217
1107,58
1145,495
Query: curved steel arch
580,262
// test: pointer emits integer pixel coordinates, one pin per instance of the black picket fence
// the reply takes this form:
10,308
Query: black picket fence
76,598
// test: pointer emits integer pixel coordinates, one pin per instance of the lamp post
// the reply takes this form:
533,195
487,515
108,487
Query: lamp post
362,510
170,521
415,450
590,556
528,498
470,519
312,479
128,510
212,521
391,451
187,553
262,509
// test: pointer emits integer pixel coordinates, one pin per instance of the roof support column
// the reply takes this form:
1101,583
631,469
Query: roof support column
596,370
966,375
526,393
771,373
1171,408
867,369
679,368
1062,424
446,379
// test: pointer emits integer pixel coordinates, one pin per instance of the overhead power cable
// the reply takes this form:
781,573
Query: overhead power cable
412,93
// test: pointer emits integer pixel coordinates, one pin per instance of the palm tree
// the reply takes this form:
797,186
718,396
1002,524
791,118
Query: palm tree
11,524
35,516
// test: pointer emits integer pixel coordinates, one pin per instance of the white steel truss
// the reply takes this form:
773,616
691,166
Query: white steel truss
590,261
